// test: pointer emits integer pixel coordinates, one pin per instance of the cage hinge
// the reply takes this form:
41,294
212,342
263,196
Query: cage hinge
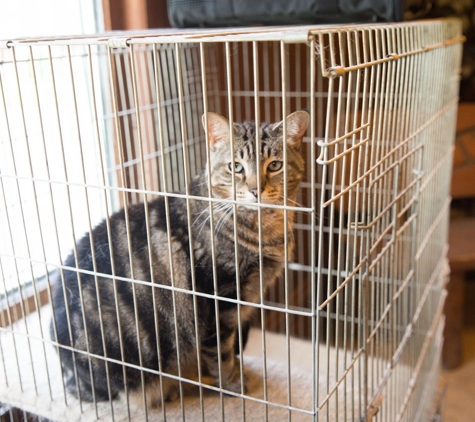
6,43
119,42
336,71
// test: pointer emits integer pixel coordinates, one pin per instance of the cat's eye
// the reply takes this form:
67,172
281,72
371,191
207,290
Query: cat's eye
275,166
238,167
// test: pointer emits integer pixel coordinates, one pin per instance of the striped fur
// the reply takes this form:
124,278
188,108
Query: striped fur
119,319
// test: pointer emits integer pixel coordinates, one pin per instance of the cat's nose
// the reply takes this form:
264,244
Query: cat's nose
253,190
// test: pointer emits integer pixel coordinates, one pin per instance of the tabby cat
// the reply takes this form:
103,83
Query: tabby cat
104,301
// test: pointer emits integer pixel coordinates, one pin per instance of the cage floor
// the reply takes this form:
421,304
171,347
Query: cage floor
18,377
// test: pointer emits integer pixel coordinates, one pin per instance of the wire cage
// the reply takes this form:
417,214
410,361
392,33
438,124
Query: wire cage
352,328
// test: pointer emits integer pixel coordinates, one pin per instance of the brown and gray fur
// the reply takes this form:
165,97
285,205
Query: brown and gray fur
155,309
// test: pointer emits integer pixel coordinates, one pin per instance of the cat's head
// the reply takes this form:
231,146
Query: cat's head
270,158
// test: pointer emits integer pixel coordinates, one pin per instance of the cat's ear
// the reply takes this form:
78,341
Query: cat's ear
297,123
218,128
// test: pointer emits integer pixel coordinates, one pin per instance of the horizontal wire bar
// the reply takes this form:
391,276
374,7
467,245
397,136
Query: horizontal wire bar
159,193
383,160
432,228
324,144
343,284
422,356
439,165
342,154
347,371
294,33
409,330
160,286
156,372
390,205
337,71
389,306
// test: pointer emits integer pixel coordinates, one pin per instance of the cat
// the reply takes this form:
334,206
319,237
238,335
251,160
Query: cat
119,334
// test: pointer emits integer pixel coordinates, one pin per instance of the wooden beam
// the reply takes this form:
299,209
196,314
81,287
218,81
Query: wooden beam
135,14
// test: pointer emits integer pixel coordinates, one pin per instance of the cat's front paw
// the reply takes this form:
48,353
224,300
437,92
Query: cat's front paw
234,383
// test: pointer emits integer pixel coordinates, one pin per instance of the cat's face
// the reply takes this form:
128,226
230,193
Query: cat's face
270,158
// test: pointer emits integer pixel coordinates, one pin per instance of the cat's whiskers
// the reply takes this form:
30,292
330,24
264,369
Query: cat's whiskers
216,209
222,220
294,202
209,217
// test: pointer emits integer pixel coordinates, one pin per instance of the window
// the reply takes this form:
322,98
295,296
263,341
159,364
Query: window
31,131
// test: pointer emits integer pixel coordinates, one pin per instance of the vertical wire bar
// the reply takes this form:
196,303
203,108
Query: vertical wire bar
373,155
314,339
348,237
407,308
63,281
385,197
213,59
170,255
158,70
94,263
255,62
299,277
358,172
278,115
331,222
23,303
187,189
246,75
348,266
75,249
322,201
37,103
283,68
130,144
375,274
235,228
211,217
246,100
338,124
393,253
143,86
174,128
48,286
187,98
121,101
277,66
365,109
213,245
9,307
151,129
237,105
115,105
3,322
245,67
147,222
193,97
165,92
265,71
267,118
199,102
